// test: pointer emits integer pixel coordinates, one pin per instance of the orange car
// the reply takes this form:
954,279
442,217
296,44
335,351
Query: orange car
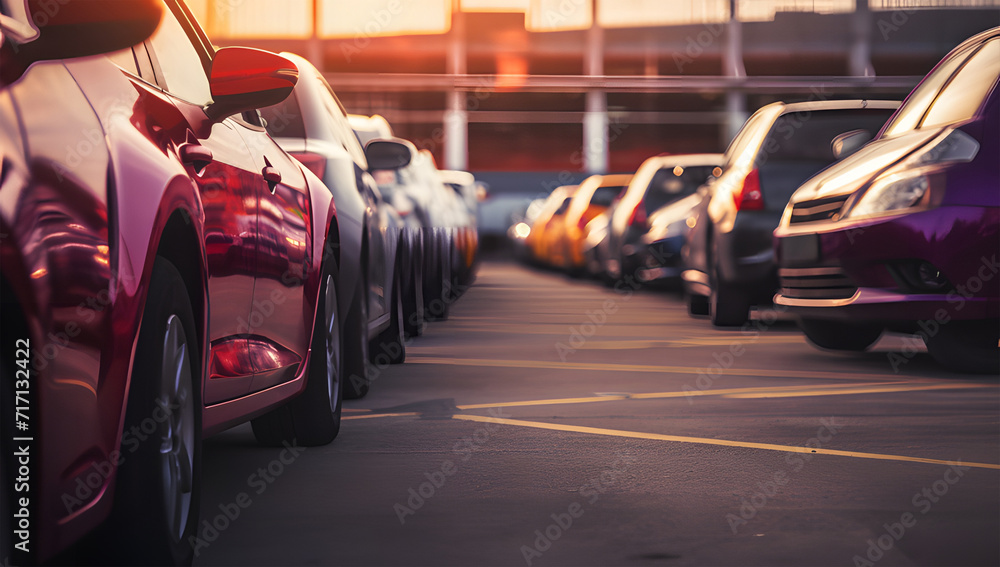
539,240
593,197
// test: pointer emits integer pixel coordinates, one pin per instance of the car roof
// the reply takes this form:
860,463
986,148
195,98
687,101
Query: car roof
814,105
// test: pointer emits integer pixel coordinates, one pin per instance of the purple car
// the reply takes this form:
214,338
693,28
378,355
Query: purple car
904,235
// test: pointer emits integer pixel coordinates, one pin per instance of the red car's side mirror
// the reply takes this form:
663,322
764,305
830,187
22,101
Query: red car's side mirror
245,79
78,28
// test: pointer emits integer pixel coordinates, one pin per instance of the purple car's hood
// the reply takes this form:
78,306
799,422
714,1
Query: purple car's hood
856,170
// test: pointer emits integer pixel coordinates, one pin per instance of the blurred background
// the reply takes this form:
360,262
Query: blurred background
532,94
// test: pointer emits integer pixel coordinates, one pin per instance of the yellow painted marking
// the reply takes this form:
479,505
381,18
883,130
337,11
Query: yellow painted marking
374,415
763,390
847,391
355,410
652,368
756,392
708,441
555,401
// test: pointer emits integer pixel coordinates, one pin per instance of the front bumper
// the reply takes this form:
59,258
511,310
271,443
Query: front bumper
860,270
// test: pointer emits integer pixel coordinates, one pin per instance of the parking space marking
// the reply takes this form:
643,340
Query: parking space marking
654,369
878,389
709,441
376,415
754,392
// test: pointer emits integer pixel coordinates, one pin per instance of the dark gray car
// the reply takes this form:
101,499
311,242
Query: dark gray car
729,258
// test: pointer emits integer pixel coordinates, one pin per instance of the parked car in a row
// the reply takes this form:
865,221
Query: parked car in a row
856,216
904,235
728,255
177,271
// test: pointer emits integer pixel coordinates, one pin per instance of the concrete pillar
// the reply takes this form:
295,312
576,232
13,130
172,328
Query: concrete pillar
456,116
861,41
595,120
456,132
732,66
315,48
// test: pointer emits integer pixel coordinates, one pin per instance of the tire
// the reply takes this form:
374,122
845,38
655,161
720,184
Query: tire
390,345
728,306
967,346
836,335
356,354
313,419
696,304
413,305
437,305
157,491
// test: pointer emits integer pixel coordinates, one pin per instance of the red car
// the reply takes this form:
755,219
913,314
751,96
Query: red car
167,272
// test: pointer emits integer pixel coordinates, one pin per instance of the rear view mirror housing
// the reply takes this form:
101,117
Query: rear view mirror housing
389,154
245,79
40,30
847,143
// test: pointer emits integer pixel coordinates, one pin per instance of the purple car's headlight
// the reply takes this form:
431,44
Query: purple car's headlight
892,193
912,181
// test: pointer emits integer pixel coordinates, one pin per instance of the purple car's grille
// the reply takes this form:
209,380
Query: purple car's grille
818,210
816,283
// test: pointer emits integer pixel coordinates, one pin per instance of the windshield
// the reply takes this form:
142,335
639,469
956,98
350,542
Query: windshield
952,93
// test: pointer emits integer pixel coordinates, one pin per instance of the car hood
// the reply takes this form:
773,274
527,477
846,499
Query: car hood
856,170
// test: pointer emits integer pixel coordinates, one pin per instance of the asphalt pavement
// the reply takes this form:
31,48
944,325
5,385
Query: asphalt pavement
553,421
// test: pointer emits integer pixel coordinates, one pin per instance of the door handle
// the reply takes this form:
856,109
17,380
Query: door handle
195,155
272,176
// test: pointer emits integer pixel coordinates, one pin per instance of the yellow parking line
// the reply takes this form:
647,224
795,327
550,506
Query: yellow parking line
555,401
757,392
374,415
847,391
481,362
708,441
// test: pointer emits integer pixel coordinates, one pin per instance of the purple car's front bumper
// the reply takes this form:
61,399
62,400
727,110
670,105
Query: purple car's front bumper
867,270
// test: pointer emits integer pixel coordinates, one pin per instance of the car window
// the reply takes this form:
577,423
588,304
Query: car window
341,127
742,139
916,104
604,196
964,94
806,136
180,65
672,183
284,120
125,59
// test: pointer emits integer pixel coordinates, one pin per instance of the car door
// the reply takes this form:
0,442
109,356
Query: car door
281,316
219,162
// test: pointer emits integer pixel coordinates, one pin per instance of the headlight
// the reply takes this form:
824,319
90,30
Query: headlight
892,193
914,177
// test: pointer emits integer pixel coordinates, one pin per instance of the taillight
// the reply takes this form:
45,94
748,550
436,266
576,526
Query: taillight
750,197
638,217
313,162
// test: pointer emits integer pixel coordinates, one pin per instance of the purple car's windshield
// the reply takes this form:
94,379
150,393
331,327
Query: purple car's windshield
952,93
